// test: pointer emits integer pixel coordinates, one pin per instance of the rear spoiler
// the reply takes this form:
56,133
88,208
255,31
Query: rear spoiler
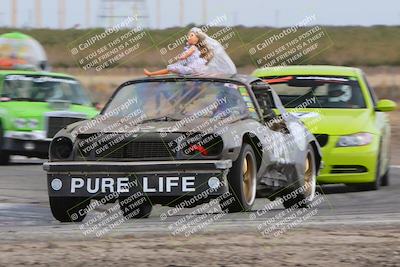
278,80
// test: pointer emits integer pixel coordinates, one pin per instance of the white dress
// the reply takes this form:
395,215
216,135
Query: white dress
220,63
194,64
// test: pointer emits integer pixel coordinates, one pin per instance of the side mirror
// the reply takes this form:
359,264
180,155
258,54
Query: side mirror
385,105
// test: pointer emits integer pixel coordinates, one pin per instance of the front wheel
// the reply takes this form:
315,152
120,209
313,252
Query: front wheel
379,180
242,181
304,189
385,179
68,209
4,156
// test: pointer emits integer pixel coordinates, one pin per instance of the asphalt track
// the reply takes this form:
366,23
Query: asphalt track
25,213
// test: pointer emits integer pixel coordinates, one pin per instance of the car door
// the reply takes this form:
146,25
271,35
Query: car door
279,139
382,125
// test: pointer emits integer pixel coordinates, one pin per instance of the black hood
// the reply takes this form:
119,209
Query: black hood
117,125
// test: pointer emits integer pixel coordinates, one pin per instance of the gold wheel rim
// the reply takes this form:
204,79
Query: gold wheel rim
249,183
309,178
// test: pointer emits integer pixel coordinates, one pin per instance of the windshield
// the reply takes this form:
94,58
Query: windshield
179,99
43,88
318,91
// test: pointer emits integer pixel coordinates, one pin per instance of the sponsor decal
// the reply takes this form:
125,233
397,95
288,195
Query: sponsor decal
161,184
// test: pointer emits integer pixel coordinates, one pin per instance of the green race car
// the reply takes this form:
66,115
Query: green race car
341,109
34,106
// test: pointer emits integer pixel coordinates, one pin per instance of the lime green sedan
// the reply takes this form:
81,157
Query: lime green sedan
341,109
34,106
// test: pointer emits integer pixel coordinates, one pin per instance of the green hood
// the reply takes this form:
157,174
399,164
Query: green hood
336,121
11,110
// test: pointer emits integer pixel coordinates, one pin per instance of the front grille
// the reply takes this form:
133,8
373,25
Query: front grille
138,149
348,169
147,150
322,139
54,124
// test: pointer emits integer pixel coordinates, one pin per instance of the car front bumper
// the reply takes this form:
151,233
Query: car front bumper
349,164
153,178
26,147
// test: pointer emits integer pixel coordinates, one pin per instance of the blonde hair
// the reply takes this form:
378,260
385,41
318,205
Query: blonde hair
205,51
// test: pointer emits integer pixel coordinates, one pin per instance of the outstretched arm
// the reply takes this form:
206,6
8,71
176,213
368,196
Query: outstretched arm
188,53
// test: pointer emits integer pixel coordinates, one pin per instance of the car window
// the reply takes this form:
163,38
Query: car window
249,102
371,91
186,98
264,99
44,88
318,91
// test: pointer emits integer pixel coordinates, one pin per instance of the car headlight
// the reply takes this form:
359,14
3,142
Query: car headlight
61,148
358,139
33,123
20,123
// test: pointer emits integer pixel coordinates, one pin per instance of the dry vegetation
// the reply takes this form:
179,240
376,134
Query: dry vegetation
361,46
371,47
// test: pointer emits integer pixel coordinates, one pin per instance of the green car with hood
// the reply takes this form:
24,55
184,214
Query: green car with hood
341,109
34,106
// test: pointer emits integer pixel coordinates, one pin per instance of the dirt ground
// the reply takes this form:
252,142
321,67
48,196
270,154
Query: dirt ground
336,246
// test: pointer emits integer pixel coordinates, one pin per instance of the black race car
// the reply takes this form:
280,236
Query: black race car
182,141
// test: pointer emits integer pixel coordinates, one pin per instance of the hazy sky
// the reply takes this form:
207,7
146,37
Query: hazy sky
246,12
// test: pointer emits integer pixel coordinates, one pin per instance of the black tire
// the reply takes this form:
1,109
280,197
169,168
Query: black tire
4,156
132,211
302,198
385,180
376,184
243,193
68,209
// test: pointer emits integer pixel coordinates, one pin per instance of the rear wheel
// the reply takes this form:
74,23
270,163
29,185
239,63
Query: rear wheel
305,188
68,209
242,182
